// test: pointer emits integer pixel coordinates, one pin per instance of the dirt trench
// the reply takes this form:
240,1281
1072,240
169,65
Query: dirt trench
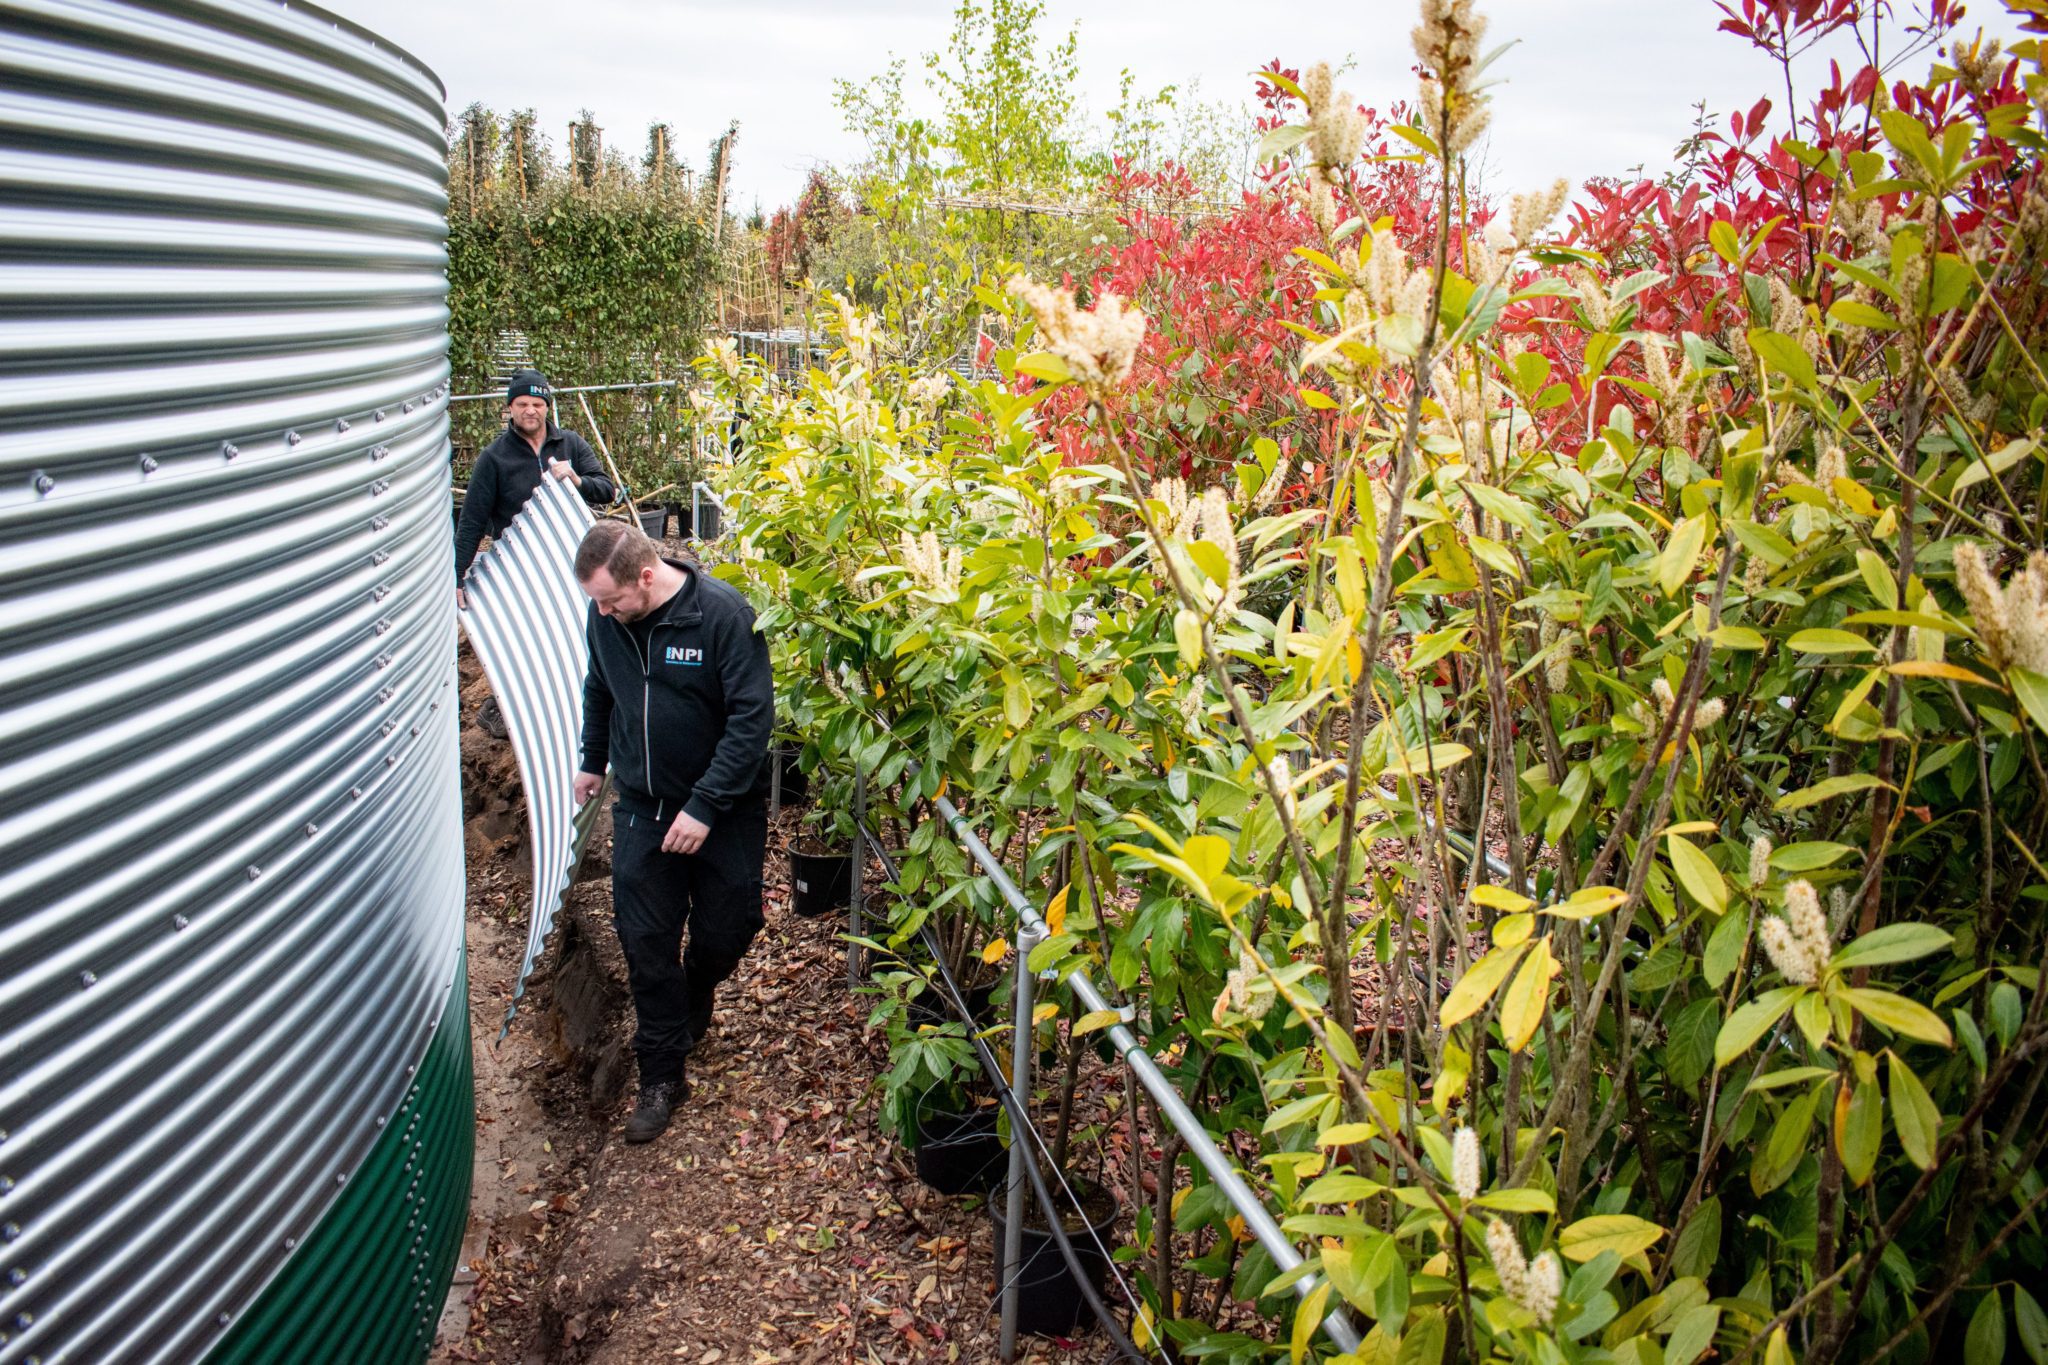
773,1222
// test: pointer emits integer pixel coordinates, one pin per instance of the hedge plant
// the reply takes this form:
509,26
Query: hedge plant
610,281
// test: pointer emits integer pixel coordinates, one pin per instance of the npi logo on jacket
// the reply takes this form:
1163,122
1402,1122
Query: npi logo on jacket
689,658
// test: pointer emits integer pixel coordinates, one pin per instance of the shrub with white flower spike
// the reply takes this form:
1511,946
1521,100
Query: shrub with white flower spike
1466,1164
2012,622
1535,1285
1797,944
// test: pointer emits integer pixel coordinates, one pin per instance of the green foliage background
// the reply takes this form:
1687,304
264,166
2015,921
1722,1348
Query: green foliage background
608,272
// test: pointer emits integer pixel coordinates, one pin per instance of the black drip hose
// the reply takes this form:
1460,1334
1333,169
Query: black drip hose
1020,1124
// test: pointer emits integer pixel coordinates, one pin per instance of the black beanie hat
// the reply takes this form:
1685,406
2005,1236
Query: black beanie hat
525,383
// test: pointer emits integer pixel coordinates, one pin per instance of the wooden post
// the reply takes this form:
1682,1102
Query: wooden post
718,194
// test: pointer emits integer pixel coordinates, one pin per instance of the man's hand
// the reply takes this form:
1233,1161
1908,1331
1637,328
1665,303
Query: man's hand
587,785
566,472
686,835
461,600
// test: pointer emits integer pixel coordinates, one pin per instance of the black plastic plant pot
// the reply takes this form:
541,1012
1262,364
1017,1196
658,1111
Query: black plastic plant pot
1049,1304
820,880
654,521
960,1153
931,1005
681,512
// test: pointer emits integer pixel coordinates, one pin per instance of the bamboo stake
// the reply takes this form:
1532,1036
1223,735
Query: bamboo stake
618,480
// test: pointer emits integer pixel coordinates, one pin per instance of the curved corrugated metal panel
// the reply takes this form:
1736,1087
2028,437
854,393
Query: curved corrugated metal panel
230,849
526,623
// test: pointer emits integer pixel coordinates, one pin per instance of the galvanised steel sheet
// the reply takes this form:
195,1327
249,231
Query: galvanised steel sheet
526,623
230,845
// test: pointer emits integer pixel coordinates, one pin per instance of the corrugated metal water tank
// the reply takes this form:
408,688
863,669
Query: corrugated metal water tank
230,846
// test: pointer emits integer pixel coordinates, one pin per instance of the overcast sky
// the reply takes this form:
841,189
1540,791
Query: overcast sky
1592,87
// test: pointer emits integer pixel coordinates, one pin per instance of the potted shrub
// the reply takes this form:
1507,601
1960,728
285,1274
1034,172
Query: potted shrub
1047,1304
821,852
934,1096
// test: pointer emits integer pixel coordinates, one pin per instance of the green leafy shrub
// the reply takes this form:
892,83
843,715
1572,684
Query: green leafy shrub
1585,858
608,278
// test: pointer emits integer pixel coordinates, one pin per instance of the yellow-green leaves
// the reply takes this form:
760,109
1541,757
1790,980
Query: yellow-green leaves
2032,691
1201,864
1752,1021
1823,641
1993,465
1624,1234
1877,576
1897,1013
1044,365
1913,1114
1016,699
1859,1127
1826,788
1187,635
1518,1201
1476,987
1783,1150
1681,554
1528,994
1859,314
1351,593
1697,874
1588,902
1521,1010
1307,1318
1893,943
1781,353
1500,898
1093,1020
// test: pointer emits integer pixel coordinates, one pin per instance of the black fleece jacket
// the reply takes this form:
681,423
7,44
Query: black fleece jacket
506,473
683,720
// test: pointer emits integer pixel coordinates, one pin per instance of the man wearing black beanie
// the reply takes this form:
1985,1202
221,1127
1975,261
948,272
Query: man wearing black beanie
511,467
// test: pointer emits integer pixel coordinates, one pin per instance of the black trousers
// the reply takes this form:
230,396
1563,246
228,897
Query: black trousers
716,893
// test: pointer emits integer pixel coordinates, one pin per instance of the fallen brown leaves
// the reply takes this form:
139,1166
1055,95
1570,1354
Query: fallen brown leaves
772,1223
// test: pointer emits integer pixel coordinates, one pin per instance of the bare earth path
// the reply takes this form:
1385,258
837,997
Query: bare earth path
773,1222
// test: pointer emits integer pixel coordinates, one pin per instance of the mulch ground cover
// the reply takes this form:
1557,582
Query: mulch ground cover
773,1222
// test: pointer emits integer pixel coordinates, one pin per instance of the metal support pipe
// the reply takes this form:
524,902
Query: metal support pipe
1171,1105
574,388
1029,936
856,894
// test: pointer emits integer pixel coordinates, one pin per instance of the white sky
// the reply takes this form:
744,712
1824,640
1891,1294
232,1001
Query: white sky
1593,86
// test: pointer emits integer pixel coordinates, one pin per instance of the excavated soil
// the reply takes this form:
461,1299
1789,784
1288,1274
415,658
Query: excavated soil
773,1222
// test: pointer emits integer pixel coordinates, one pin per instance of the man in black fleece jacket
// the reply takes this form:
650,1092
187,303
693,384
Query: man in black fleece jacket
510,468
678,700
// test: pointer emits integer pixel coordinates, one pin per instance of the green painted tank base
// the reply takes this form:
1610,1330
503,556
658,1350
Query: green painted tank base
367,1285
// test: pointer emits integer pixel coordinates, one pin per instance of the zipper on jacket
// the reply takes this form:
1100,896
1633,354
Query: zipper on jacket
647,701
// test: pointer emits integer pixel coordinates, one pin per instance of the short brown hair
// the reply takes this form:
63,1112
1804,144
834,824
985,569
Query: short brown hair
620,548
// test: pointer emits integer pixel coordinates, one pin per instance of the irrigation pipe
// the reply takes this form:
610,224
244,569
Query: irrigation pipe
1184,1120
578,388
